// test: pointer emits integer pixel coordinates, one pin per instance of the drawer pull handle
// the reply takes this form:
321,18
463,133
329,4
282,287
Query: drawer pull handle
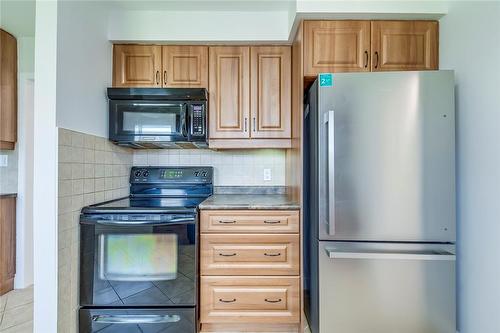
226,222
273,301
227,255
272,222
272,254
227,301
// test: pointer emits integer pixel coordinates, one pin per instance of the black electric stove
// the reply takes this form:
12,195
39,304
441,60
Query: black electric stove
139,255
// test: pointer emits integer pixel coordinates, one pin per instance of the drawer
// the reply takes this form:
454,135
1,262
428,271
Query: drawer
229,299
254,221
249,254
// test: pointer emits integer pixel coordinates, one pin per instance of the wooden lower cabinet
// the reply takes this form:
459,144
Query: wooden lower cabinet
240,254
250,271
249,221
228,299
7,243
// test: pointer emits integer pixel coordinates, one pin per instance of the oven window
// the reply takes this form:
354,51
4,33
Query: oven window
151,123
138,257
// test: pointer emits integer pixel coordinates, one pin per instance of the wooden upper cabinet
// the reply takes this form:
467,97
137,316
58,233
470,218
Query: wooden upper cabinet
8,93
336,46
185,66
270,91
404,45
7,243
137,66
229,89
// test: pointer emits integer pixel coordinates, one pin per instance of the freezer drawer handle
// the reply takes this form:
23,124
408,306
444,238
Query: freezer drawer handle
227,222
272,222
227,301
136,319
414,255
331,172
272,301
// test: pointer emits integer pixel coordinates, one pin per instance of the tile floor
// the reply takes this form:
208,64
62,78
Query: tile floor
16,311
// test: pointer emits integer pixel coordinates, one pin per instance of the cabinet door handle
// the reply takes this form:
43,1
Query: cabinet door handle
165,77
272,254
376,59
227,255
366,59
227,300
272,300
272,222
158,77
246,125
226,222
254,124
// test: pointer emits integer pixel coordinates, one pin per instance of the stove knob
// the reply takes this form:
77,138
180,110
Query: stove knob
196,173
137,173
204,174
145,173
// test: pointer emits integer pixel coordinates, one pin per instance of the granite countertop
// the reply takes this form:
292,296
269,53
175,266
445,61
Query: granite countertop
8,195
250,201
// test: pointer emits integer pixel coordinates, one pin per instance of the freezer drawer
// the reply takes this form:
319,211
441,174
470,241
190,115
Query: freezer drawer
386,288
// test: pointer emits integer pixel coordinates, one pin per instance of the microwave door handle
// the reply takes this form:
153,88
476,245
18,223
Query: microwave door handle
185,121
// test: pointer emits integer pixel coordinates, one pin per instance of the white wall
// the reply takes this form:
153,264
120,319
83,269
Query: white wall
18,18
84,67
470,44
196,26
24,225
45,169
246,21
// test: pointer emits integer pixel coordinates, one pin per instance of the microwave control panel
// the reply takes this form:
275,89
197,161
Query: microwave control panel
198,120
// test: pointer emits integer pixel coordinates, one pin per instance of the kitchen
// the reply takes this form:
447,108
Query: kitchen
239,160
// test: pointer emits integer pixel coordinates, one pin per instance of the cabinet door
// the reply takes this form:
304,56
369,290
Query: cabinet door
336,46
8,93
270,92
404,45
137,66
229,89
185,66
7,243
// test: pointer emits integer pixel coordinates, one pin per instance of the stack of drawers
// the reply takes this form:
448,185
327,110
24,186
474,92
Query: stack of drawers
250,268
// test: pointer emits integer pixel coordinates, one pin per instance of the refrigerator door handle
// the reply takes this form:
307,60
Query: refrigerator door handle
331,172
407,255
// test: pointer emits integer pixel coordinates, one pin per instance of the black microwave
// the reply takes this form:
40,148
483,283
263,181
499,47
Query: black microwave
158,117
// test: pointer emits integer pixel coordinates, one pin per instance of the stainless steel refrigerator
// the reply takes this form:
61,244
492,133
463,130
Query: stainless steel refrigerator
379,191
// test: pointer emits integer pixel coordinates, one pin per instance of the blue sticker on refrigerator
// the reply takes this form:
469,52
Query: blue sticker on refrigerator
326,80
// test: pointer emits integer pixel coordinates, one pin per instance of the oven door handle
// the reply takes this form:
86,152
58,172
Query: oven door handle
135,319
177,220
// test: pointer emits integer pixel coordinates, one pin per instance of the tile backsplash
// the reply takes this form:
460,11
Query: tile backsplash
91,170
231,167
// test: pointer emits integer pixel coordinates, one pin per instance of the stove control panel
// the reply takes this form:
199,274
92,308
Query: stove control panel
145,175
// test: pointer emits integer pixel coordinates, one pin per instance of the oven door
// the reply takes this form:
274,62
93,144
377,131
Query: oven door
133,262
137,320
147,121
